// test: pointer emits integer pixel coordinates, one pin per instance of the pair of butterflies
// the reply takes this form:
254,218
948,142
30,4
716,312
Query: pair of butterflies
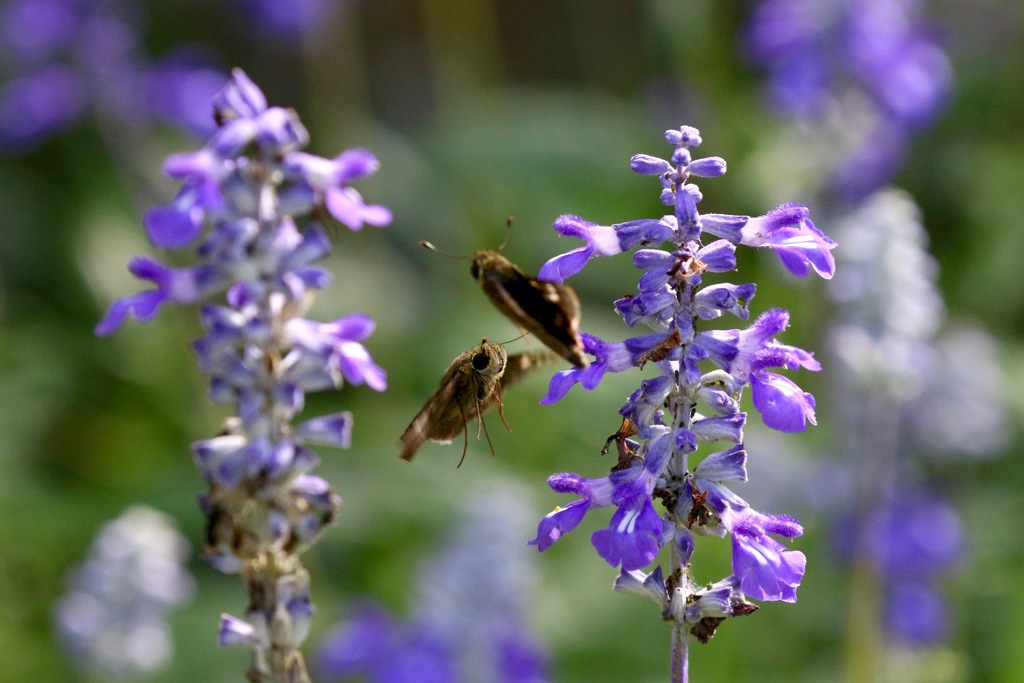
473,382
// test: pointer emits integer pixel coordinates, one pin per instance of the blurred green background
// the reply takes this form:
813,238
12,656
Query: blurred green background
480,110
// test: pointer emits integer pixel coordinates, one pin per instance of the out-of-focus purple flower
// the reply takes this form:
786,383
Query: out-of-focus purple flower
181,85
915,544
39,104
339,341
263,506
374,646
33,30
883,45
917,613
896,378
468,622
174,285
114,617
877,61
68,59
290,21
331,178
919,536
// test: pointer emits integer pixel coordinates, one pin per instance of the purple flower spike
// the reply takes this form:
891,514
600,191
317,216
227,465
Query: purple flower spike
683,404
245,195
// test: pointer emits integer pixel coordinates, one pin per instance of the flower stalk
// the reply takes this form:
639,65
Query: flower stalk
251,209
686,404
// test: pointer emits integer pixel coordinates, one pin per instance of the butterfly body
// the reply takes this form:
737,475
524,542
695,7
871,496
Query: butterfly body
470,387
550,311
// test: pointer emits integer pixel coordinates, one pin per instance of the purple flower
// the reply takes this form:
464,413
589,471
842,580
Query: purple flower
235,632
790,233
331,430
633,536
330,178
610,357
113,619
917,613
174,285
765,569
631,539
710,302
339,341
37,105
181,85
651,586
748,353
560,521
601,241
178,225
291,21
372,644
783,405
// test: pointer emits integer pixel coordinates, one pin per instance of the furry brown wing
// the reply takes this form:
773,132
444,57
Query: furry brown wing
432,422
550,311
465,391
518,366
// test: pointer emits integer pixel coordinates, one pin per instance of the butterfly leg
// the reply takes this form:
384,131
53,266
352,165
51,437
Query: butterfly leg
501,411
483,425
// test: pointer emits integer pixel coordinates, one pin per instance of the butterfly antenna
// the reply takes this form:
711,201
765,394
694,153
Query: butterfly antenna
430,247
524,334
508,232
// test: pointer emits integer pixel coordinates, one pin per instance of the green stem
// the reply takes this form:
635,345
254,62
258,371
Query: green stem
680,654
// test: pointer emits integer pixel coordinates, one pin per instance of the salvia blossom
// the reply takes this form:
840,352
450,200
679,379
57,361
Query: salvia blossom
249,209
895,367
113,619
468,623
876,61
688,403
64,60
290,21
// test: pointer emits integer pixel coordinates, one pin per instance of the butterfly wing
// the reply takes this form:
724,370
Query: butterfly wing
519,365
442,417
550,311
467,389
